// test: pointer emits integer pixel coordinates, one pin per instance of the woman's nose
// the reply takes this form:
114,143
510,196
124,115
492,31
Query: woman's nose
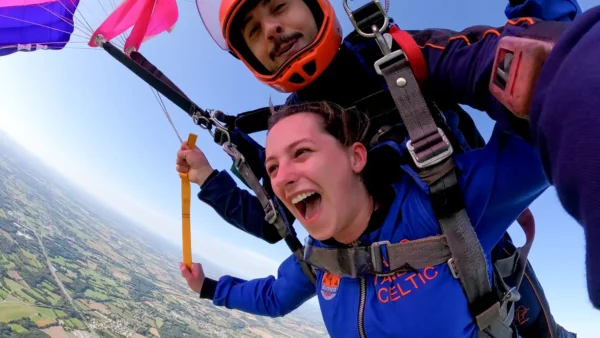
286,176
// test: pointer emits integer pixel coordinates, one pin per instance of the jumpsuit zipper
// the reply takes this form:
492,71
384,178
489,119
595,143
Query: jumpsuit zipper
361,304
361,308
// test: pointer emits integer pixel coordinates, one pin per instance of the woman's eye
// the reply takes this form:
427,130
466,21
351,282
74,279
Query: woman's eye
301,152
271,169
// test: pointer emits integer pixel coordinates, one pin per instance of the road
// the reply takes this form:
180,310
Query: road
59,282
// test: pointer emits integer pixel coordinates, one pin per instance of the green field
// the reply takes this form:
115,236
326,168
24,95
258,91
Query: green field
24,296
12,311
52,297
75,323
95,295
60,313
33,261
18,328
48,286
63,262
14,286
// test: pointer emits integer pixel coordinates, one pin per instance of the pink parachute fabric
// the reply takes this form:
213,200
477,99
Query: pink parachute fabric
148,18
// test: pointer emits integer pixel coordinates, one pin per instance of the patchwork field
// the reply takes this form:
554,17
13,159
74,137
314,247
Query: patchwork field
68,271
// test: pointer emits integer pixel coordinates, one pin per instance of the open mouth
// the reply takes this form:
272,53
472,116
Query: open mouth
308,205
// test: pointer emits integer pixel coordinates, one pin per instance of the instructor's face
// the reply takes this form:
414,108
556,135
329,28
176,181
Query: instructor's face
276,29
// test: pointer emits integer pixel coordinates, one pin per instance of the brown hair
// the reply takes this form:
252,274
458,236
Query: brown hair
346,125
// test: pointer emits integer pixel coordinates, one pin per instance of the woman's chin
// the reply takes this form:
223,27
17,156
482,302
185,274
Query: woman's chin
320,233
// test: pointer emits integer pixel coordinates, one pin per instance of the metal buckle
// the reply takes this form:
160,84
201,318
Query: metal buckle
270,212
511,295
387,58
209,122
376,259
381,29
434,160
453,269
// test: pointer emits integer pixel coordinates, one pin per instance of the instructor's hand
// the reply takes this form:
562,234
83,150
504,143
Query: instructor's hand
194,163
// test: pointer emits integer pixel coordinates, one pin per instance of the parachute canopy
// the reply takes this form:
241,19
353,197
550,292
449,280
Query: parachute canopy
29,25
148,18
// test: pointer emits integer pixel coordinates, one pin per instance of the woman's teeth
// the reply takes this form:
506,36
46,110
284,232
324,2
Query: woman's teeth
302,197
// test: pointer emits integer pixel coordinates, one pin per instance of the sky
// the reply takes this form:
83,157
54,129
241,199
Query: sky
84,114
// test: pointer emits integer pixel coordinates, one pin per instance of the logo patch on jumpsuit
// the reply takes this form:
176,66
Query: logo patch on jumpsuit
329,285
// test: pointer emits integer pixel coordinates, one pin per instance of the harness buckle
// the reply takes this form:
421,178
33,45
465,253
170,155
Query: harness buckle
379,8
435,159
391,58
376,258
512,295
453,269
270,212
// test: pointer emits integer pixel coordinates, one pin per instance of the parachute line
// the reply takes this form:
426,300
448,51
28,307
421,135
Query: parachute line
166,112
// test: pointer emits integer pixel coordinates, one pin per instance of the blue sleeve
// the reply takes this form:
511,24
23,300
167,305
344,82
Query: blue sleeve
550,10
237,207
499,181
267,296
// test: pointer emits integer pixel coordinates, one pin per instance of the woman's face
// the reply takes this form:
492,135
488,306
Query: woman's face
314,175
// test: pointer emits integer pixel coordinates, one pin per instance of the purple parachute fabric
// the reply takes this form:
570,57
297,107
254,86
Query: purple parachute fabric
28,25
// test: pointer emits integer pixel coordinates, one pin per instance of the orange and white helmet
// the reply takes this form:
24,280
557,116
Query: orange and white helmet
296,72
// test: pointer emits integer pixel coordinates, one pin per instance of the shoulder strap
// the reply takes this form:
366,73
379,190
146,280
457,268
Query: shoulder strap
432,155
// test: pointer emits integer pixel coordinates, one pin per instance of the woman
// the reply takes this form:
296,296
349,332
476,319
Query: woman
317,162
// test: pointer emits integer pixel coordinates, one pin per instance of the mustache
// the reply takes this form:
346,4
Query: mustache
280,41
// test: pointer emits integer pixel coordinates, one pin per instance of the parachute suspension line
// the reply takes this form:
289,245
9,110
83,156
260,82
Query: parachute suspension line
122,37
84,23
40,25
81,27
166,112
62,18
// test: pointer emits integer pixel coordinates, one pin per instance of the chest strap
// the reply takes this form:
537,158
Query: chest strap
357,261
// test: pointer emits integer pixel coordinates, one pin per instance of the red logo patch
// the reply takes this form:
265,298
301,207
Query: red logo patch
329,285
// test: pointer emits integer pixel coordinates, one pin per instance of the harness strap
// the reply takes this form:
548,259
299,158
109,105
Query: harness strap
358,260
271,214
412,51
432,154
517,262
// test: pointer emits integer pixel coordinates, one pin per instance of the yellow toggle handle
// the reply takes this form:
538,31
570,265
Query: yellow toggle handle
185,210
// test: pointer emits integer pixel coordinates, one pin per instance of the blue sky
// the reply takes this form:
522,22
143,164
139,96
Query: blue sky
86,115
